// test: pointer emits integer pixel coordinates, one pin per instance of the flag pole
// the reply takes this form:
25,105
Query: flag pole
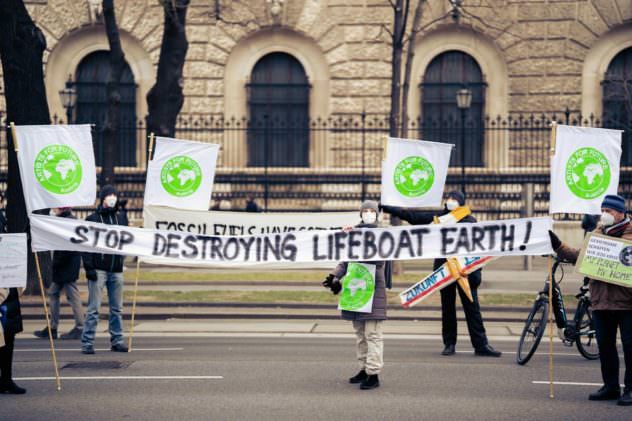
41,282
551,391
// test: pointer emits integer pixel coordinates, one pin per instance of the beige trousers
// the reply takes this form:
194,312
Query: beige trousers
369,345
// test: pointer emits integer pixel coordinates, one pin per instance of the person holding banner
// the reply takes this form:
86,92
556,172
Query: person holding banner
473,317
10,325
611,305
105,270
367,319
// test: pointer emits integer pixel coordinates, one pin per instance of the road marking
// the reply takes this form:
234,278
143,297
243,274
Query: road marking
124,378
570,383
560,354
78,349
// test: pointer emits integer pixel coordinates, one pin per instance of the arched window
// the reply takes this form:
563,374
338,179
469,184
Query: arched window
441,117
90,81
278,102
617,99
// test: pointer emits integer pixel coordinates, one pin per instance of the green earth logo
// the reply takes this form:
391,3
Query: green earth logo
587,173
181,176
358,287
58,169
413,176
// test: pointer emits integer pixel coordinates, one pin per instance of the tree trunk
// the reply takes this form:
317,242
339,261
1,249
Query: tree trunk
112,122
165,98
399,29
409,66
22,45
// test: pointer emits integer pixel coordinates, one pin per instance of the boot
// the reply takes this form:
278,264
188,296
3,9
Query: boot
371,382
487,351
358,378
448,350
605,393
9,386
43,334
75,333
626,398
119,348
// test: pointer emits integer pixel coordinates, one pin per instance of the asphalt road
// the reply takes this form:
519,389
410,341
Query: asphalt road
232,378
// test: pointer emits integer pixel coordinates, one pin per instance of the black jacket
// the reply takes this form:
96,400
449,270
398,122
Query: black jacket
100,261
427,217
12,316
3,222
66,264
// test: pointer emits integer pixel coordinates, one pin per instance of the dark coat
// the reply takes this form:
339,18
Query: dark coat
66,264
100,261
12,323
3,222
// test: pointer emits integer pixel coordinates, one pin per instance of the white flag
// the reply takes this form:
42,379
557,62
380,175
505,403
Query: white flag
56,166
181,174
414,172
584,168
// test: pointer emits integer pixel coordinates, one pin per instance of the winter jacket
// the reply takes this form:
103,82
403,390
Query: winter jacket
604,295
10,309
66,264
100,261
3,222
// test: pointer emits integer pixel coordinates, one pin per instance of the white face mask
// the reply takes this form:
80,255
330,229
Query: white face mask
606,219
52,212
369,217
451,204
110,201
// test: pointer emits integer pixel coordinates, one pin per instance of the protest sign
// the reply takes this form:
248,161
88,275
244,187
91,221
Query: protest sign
57,166
13,260
584,168
527,236
358,288
414,172
607,259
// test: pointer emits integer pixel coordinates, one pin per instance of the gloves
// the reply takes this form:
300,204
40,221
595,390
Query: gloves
556,243
333,284
91,275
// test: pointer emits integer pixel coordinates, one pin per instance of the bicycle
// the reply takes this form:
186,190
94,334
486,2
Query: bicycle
579,331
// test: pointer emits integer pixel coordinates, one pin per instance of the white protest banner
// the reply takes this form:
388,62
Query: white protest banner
414,172
607,259
56,166
358,288
181,174
13,260
584,168
527,236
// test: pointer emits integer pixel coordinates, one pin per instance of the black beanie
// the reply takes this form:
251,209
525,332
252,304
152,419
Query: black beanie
107,190
458,196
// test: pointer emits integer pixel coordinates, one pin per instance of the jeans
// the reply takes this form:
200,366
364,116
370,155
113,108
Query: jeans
370,345
606,324
473,316
113,281
72,295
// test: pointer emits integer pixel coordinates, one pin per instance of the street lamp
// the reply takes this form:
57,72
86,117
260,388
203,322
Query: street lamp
68,98
463,101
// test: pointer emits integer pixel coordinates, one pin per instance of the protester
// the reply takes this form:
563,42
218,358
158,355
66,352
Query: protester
611,305
367,326
3,219
251,205
105,270
472,309
10,325
66,266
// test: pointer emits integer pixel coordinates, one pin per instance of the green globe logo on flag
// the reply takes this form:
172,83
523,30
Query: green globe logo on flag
58,169
587,173
413,176
358,287
181,176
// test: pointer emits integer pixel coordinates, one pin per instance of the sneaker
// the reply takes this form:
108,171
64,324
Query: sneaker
75,333
119,348
626,398
358,378
371,382
11,388
43,334
487,351
448,350
606,393
89,350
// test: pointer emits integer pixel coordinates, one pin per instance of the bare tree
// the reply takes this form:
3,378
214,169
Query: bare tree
400,18
409,66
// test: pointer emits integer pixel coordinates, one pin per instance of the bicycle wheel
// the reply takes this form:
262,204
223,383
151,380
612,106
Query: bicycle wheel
533,330
586,335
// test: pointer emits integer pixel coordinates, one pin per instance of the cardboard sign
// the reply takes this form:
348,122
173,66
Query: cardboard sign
358,288
13,260
607,259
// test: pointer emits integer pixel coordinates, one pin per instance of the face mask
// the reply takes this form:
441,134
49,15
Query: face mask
607,219
369,217
451,204
110,201
52,212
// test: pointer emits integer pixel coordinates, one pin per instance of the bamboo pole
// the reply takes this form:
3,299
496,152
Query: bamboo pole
551,390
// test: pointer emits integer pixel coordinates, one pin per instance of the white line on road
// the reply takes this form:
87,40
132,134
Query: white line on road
96,349
570,383
124,378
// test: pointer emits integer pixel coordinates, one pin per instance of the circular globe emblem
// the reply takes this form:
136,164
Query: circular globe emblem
587,173
357,287
625,257
413,176
181,176
58,169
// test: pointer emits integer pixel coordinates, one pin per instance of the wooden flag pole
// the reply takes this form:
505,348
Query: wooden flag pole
551,390
553,137
41,282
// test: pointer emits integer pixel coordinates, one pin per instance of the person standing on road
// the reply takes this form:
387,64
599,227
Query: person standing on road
66,266
472,309
367,326
611,305
10,325
105,270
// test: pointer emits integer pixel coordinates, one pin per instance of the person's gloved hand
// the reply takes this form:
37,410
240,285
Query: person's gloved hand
556,243
333,284
91,275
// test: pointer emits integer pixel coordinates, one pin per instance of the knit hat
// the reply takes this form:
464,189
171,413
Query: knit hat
107,190
458,196
369,205
615,202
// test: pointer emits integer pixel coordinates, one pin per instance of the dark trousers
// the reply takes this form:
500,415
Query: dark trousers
472,316
6,358
606,324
